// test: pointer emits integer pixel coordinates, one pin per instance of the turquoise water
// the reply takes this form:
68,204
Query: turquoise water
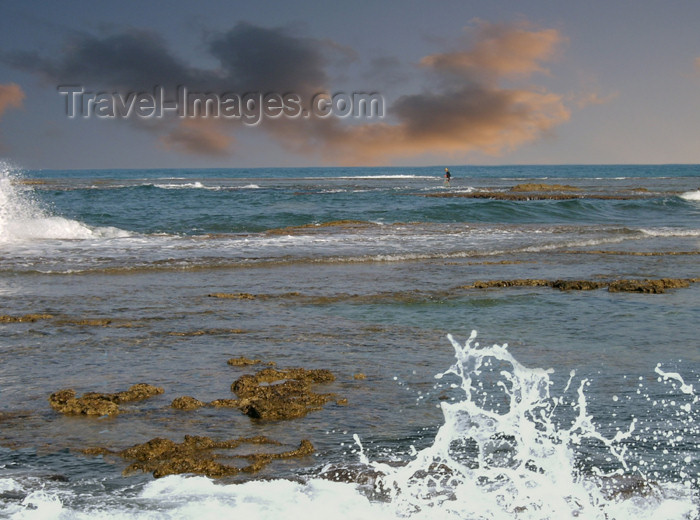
358,270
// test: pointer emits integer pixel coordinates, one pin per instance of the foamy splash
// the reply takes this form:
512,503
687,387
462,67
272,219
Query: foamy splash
691,195
508,449
23,219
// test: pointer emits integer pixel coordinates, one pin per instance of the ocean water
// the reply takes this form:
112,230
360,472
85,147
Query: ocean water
563,404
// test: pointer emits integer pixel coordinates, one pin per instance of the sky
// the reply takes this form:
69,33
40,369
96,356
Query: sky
229,84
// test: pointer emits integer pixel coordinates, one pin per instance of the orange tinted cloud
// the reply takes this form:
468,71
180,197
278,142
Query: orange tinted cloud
199,137
11,96
483,97
471,111
500,51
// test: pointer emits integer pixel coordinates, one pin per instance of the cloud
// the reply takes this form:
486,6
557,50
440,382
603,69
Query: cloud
251,59
472,110
499,51
482,97
257,59
11,96
132,60
697,64
198,137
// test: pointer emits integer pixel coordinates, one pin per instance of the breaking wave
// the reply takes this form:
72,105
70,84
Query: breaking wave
22,217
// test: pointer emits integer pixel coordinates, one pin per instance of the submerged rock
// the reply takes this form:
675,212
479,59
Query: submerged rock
95,403
87,322
543,187
66,402
641,286
244,362
648,286
198,455
577,285
186,403
27,318
233,296
518,282
226,403
212,332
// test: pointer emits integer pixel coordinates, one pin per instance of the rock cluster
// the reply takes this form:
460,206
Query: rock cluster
281,394
271,394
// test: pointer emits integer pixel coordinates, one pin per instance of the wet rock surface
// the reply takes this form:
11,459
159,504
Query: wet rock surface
281,394
648,286
244,362
186,403
201,455
543,187
657,286
26,318
270,393
95,403
233,296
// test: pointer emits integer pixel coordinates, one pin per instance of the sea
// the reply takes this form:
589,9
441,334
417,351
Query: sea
463,388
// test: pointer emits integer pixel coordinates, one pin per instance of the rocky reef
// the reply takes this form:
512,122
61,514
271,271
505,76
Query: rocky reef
26,318
281,394
198,455
648,286
96,403
268,394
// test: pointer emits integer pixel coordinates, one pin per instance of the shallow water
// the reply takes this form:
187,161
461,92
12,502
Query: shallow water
357,271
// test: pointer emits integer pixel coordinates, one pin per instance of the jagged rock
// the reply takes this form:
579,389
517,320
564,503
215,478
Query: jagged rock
577,285
289,397
233,296
136,393
227,403
64,401
518,282
27,318
197,455
243,361
648,286
95,403
95,322
642,286
186,403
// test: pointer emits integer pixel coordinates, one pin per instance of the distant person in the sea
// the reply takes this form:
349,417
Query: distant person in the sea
448,176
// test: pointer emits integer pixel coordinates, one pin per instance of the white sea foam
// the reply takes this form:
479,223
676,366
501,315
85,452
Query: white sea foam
23,219
508,449
691,195
504,451
670,232
184,186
